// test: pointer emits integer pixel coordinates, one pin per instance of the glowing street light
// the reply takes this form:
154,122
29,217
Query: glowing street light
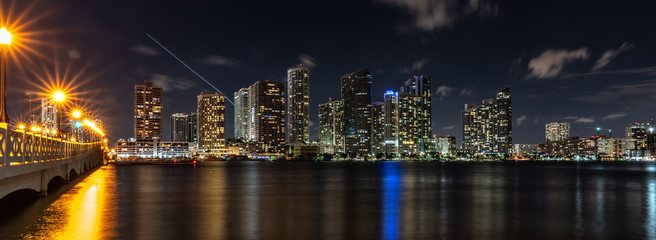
77,114
5,41
59,96
21,127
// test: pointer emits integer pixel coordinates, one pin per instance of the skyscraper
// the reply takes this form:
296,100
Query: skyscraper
330,124
556,131
298,105
192,127
241,113
211,121
377,130
420,86
148,112
179,127
356,97
391,122
48,113
409,122
487,128
267,121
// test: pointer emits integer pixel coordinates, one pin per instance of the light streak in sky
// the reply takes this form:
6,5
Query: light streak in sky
188,67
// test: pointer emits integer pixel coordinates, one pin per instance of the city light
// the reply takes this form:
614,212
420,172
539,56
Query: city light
21,127
33,129
77,114
5,36
78,124
59,96
72,139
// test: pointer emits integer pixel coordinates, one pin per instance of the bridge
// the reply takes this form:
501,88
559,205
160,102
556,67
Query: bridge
31,160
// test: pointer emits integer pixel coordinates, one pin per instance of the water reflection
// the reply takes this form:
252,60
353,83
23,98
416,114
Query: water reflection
388,200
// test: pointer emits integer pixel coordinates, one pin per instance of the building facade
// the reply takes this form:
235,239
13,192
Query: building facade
391,122
267,120
377,129
211,121
179,127
356,99
192,127
148,105
298,105
420,86
49,114
241,113
331,116
556,131
487,128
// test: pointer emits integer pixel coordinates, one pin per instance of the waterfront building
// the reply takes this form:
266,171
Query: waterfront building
636,141
408,123
611,147
132,148
211,121
192,128
570,147
179,127
330,125
377,127
148,105
526,150
445,145
49,114
298,105
556,131
242,113
356,99
391,122
487,128
267,122
420,86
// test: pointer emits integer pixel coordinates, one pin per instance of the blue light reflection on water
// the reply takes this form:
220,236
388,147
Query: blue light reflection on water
650,222
391,199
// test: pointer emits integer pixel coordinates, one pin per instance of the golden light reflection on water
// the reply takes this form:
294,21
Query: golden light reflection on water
87,211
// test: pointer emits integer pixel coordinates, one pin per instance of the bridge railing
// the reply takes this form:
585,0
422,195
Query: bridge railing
24,147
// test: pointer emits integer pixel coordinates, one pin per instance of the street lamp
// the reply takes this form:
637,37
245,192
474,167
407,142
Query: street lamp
77,114
5,40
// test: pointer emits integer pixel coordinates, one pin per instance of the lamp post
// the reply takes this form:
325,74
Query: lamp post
5,40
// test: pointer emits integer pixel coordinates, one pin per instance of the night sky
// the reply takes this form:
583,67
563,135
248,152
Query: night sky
587,62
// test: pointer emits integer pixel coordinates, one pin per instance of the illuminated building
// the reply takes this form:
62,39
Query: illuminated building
298,105
377,130
356,99
192,127
445,145
391,122
408,128
636,141
152,149
611,147
267,120
179,127
420,86
211,121
330,125
241,113
487,128
48,114
570,147
556,131
148,112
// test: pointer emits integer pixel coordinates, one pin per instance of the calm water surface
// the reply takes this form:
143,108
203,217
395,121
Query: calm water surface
380,200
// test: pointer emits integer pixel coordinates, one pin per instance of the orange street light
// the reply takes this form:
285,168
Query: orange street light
5,41
21,127
59,96
77,114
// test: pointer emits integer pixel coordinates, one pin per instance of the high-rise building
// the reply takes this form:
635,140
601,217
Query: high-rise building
48,114
487,128
148,112
409,123
377,130
179,127
445,145
267,121
556,131
192,127
356,97
241,113
636,140
330,124
211,121
298,105
391,122
420,86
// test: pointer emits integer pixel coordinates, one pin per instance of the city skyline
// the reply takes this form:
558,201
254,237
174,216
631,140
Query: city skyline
590,65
